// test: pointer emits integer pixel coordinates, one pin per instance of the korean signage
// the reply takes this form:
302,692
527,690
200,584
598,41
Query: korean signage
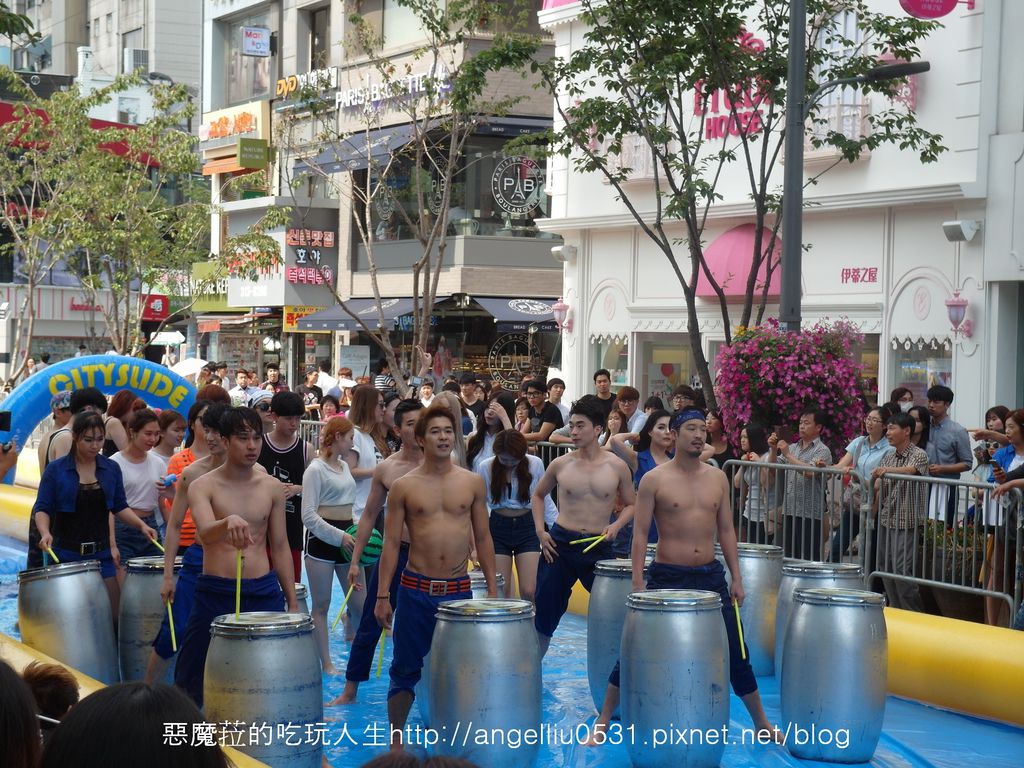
310,266
256,42
320,79
928,9
249,120
858,275
155,307
292,315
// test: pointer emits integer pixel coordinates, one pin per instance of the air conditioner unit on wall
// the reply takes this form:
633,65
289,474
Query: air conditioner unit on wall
136,58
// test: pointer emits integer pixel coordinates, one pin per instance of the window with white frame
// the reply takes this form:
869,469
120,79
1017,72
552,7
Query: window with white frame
842,109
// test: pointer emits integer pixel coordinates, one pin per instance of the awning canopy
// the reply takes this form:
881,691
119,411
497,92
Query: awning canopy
337,319
509,309
357,151
729,258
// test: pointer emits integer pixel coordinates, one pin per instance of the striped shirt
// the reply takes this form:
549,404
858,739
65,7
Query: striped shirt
902,504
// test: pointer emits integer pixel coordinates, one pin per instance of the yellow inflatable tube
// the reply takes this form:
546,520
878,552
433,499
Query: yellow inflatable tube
959,665
20,656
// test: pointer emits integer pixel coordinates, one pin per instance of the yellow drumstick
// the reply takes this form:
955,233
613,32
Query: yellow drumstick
739,625
348,594
170,620
158,545
597,541
238,585
52,556
588,538
380,652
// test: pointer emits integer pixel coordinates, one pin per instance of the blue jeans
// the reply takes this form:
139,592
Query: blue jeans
131,542
360,657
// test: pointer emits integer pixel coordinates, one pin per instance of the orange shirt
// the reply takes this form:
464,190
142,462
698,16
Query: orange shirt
175,466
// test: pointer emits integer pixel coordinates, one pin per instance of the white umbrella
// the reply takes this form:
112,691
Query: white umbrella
189,367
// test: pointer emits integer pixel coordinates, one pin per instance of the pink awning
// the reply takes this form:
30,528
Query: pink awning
549,4
729,258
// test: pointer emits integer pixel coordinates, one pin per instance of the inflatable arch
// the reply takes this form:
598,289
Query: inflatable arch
29,403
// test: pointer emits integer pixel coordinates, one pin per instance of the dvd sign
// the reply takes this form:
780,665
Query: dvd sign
516,184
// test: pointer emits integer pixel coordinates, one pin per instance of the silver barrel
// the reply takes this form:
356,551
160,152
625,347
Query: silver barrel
141,614
761,566
479,585
802,574
834,683
485,674
264,669
302,598
613,583
675,675
64,611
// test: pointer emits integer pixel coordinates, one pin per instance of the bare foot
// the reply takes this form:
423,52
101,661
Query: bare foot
598,736
331,670
348,696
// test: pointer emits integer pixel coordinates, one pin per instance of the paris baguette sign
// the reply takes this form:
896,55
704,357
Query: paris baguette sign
931,9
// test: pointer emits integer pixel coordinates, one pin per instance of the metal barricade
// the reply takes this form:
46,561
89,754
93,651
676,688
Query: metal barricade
548,452
805,510
310,432
950,536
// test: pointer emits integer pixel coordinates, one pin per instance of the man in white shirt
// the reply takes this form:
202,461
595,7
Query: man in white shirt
242,392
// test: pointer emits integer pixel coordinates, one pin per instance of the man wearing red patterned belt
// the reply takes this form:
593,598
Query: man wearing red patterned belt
442,505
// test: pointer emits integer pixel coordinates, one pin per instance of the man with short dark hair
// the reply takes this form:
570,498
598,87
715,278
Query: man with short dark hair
467,388
544,417
275,381
900,506
949,453
44,361
628,401
683,397
805,491
603,387
383,380
243,391
556,388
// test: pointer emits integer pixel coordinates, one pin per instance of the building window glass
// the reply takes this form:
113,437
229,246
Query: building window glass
666,365
320,39
401,25
919,368
842,109
613,355
250,77
133,39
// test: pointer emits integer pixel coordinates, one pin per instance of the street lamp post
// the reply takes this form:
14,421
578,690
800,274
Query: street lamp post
797,109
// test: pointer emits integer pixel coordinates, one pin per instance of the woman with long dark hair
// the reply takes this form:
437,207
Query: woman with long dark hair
652,447
922,426
511,475
20,740
498,417
172,432
77,494
369,440
754,498
142,473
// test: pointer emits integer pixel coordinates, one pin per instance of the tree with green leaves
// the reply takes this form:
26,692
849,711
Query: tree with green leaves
469,47
685,89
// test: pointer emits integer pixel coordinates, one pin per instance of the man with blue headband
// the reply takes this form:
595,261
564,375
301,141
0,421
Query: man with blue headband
689,501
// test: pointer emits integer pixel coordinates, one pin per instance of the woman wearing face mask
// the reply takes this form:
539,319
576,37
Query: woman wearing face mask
497,418
901,400
511,475
1007,469
143,473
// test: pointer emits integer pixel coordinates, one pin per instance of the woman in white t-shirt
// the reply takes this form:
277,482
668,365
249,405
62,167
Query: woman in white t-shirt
143,473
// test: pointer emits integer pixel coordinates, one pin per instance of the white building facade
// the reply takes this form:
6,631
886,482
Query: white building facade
878,254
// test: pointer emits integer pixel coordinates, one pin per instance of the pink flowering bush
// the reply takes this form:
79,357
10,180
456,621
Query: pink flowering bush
770,376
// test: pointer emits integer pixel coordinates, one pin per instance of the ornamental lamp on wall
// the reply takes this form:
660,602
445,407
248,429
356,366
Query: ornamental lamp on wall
956,309
563,315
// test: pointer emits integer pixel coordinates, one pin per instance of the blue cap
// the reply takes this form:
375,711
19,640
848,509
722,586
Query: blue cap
686,415
61,401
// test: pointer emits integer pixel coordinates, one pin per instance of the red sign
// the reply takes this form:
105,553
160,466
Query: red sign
156,307
742,103
316,238
930,9
84,306
310,275
859,275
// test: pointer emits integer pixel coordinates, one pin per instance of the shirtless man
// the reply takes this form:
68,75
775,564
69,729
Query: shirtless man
440,503
396,465
689,501
588,480
236,509
181,594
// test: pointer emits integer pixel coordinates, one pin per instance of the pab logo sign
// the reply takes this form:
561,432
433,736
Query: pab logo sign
516,185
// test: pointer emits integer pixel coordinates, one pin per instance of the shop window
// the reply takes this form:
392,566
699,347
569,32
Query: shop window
401,25
613,355
246,76
867,355
319,38
666,364
922,366
843,110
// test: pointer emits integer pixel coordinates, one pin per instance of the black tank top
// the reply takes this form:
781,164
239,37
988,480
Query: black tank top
287,465
89,521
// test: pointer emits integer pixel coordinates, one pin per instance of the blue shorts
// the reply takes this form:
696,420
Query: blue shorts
360,655
556,580
131,542
107,568
513,535
181,608
710,577
415,617
215,596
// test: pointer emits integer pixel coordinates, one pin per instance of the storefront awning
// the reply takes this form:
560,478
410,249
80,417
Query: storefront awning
509,309
729,258
337,319
356,152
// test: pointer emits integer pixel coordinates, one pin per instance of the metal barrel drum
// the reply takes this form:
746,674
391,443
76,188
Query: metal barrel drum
302,598
263,671
479,585
485,675
64,611
834,684
141,614
761,566
803,574
652,550
613,583
675,675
